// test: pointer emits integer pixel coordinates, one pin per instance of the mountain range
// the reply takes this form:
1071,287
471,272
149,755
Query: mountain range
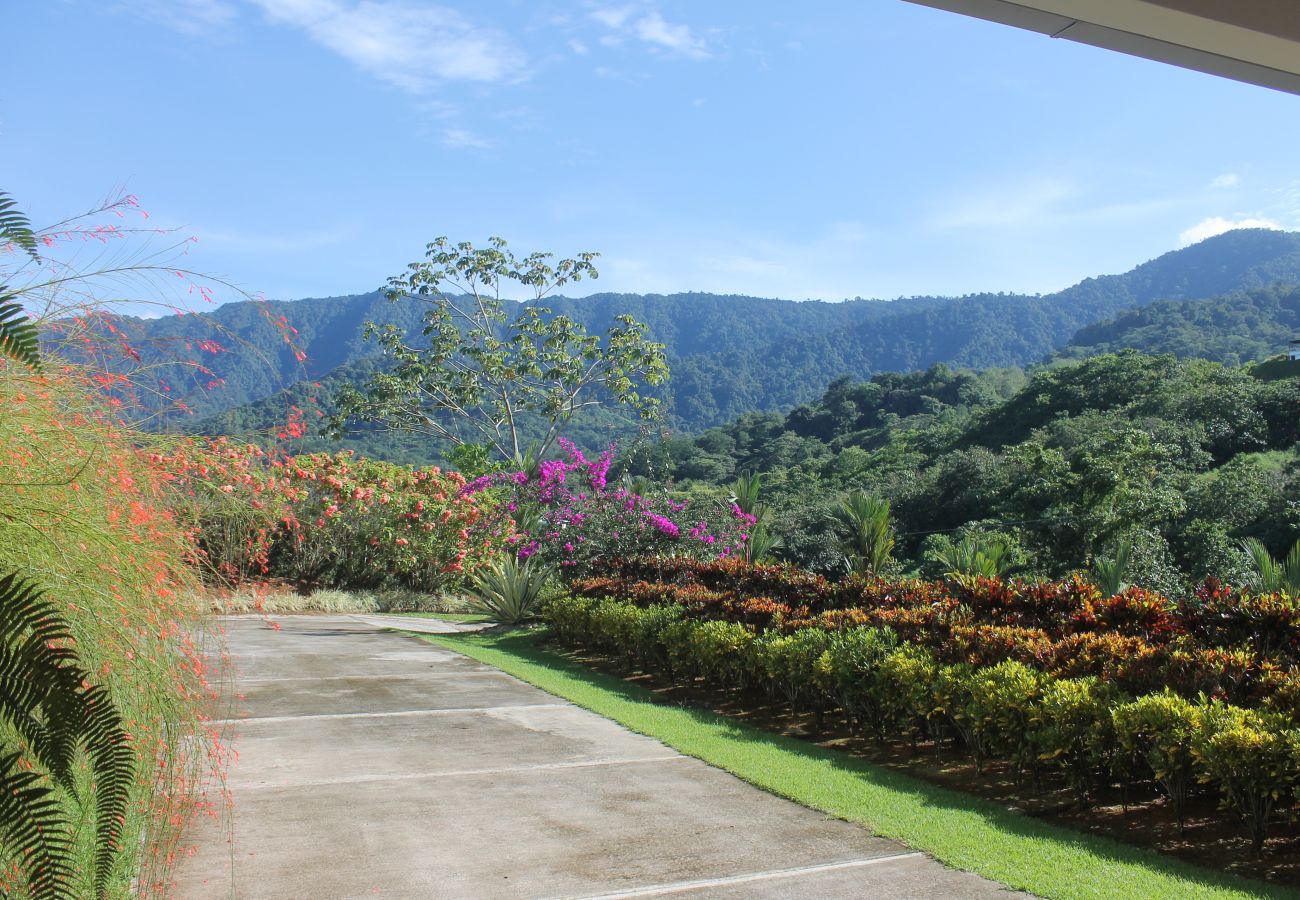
1233,297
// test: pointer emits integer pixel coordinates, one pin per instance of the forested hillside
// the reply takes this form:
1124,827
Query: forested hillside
1236,328
1178,458
731,355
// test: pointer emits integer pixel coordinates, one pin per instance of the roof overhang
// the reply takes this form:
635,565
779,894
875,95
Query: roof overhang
1255,41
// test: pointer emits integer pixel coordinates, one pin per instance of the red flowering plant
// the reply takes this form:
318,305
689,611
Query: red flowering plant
569,517
330,519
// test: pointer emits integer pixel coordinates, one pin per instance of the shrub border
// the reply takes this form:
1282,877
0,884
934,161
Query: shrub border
959,830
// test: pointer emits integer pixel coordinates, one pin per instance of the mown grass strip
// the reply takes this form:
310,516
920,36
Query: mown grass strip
961,831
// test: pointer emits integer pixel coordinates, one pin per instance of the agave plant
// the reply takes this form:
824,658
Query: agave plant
1273,575
508,590
50,704
1109,571
639,485
870,541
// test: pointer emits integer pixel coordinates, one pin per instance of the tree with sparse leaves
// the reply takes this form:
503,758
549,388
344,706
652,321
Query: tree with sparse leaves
482,375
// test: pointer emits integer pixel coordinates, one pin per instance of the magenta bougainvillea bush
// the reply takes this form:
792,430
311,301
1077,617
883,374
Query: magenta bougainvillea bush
568,515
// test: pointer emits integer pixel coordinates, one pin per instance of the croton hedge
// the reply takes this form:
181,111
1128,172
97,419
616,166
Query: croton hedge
1229,645
1088,729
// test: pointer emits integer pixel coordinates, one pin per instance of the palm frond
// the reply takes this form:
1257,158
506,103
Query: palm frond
1291,570
1110,572
976,556
1267,575
870,541
32,819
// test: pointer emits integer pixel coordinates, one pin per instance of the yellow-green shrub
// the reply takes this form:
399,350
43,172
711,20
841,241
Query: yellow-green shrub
1073,730
1158,730
717,650
850,665
1254,761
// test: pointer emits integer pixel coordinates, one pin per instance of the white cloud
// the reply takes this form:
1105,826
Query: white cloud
654,30
412,46
651,29
1208,228
612,17
578,47
1226,180
1023,204
186,16
464,139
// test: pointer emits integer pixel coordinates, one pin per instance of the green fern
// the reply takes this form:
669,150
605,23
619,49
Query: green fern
48,701
14,227
18,336
32,819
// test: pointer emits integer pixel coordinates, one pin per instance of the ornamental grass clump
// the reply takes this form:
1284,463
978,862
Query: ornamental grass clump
86,518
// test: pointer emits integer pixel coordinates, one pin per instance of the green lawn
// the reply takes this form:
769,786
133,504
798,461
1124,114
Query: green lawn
962,831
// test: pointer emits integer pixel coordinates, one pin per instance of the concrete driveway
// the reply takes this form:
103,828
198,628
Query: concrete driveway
375,764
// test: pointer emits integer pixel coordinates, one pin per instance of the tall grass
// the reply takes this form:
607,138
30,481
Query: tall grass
84,516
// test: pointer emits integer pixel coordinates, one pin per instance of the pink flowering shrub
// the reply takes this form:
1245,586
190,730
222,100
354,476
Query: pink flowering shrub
570,517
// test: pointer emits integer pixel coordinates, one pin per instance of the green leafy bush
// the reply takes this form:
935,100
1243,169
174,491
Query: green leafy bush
790,663
1000,707
1074,732
717,651
1255,763
905,686
850,665
1158,730
1081,728
570,616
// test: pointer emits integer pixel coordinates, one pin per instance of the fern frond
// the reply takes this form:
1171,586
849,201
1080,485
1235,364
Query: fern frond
15,228
48,699
19,339
31,818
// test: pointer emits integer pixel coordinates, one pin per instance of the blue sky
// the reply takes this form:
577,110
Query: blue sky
822,150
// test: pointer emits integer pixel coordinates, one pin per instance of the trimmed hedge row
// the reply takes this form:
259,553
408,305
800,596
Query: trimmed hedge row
1222,643
1086,730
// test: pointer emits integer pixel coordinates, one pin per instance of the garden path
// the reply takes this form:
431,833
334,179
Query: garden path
372,763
